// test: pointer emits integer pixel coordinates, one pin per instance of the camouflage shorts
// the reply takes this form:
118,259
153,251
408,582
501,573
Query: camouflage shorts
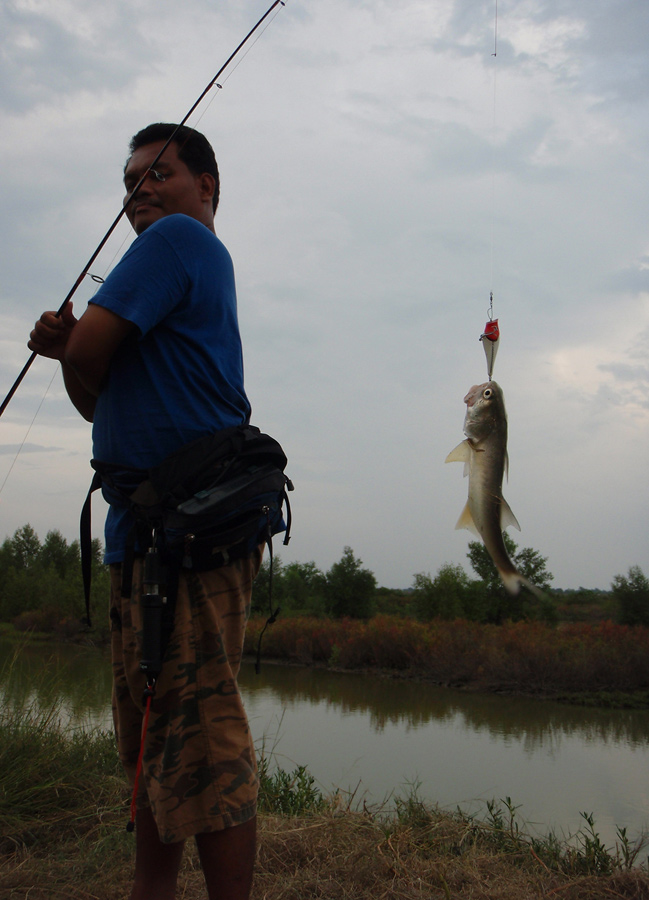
199,768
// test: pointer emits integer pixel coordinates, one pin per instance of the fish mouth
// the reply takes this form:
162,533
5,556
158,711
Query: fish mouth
471,395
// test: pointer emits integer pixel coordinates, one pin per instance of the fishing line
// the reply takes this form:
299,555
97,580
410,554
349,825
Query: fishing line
490,337
98,280
197,122
29,428
237,64
85,270
493,153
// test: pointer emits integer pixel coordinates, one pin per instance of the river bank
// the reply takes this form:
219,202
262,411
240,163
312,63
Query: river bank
374,738
63,809
601,664
601,699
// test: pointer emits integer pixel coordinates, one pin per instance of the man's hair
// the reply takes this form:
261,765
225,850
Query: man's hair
193,149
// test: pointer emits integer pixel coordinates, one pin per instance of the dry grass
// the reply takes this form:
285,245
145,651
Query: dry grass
355,858
331,856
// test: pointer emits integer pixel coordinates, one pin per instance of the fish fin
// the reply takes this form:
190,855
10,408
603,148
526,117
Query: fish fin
466,521
507,517
461,453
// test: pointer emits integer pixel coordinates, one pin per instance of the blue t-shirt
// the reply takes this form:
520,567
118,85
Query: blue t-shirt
179,376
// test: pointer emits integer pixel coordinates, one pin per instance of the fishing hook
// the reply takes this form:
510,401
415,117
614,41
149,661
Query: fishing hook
100,246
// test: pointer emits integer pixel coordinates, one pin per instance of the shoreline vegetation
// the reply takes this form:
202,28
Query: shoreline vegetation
64,802
581,646
63,809
585,646
601,664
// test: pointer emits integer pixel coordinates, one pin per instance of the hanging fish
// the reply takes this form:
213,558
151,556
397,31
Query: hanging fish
484,454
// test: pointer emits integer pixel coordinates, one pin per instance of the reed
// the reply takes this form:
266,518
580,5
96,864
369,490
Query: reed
529,657
51,779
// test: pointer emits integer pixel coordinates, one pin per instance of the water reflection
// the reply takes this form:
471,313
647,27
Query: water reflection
370,735
74,680
378,736
80,677
396,702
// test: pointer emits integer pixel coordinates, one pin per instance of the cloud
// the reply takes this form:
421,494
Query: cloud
13,449
62,50
382,173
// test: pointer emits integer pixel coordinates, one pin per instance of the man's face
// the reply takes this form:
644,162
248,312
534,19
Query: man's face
180,192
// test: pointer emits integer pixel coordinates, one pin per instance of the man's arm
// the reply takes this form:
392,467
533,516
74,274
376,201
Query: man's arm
92,344
84,347
83,401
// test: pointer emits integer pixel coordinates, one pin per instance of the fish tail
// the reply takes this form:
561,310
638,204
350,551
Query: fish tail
538,593
513,581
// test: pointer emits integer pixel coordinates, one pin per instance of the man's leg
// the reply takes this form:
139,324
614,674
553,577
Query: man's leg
227,859
156,864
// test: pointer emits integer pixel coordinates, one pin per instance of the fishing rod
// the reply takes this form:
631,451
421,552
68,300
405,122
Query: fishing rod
212,82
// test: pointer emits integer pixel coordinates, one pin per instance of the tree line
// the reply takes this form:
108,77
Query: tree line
41,588
348,589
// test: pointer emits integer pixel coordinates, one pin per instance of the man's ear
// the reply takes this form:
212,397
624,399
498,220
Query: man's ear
207,186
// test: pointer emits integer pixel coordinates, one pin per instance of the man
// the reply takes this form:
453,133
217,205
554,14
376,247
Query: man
155,362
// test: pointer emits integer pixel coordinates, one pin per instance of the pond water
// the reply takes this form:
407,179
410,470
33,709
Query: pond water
375,738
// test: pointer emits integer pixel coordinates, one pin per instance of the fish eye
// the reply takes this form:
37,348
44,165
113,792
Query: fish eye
487,393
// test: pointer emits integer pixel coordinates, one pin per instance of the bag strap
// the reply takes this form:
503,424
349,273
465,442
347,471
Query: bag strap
287,504
85,540
272,617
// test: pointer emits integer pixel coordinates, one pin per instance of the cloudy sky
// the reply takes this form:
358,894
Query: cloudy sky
382,173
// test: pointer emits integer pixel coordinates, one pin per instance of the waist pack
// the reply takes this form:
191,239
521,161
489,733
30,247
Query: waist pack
212,500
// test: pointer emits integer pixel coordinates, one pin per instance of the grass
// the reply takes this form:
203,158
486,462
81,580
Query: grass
9,632
63,809
49,779
288,793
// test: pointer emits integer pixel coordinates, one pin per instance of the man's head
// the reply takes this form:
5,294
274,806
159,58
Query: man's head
184,180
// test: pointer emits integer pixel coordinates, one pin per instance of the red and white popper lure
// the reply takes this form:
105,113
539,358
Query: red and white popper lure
490,338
